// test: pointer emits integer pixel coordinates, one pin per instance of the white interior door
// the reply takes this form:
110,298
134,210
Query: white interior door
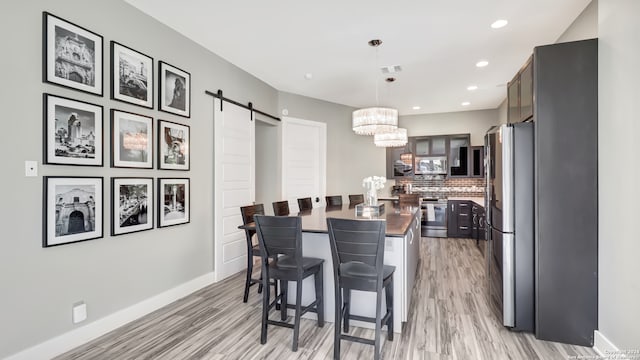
234,185
304,161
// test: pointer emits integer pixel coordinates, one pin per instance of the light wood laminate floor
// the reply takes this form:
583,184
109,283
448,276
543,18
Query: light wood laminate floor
449,319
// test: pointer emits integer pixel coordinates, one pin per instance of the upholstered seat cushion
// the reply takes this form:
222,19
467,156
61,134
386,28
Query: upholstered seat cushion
358,269
288,262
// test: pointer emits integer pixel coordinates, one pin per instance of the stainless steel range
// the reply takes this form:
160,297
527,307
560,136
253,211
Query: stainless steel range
434,217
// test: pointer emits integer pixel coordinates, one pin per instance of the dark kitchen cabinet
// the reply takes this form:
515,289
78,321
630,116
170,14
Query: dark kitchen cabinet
431,146
400,161
459,219
478,225
520,94
459,155
476,161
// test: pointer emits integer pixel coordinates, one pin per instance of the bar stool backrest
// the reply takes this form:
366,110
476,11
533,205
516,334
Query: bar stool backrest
248,213
305,204
280,235
356,199
333,200
360,241
281,208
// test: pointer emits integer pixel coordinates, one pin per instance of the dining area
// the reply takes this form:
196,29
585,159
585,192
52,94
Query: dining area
329,264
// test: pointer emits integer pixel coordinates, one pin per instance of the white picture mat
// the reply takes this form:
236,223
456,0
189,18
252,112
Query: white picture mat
164,104
148,62
117,117
52,22
117,182
187,199
52,102
51,215
162,125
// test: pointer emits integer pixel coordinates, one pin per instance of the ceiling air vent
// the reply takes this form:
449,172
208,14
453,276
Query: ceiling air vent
391,69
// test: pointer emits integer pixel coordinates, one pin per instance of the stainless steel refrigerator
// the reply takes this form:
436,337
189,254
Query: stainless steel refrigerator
510,232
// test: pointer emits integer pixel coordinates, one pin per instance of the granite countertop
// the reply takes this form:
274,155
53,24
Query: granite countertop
315,221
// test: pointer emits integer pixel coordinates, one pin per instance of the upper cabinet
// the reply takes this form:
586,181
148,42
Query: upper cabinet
431,146
459,155
476,163
520,94
400,161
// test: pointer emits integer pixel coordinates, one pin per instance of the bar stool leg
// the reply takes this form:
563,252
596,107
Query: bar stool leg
284,286
296,323
319,278
389,299
247,281
338,321
347,308
265,308
377,348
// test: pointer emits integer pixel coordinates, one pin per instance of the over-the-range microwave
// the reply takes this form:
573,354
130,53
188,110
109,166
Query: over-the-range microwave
430,165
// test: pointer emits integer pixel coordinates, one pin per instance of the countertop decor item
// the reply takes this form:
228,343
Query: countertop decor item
372,184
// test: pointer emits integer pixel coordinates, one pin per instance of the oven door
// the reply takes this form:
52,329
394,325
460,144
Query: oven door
434,219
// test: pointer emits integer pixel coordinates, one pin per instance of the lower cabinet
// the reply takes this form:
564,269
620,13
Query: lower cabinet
459,222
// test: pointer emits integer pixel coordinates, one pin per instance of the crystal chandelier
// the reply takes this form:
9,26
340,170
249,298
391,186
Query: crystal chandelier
375,120
395,138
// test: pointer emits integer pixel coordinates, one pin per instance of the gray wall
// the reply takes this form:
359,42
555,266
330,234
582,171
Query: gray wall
474,122
619,173
585,26
40,285
268,164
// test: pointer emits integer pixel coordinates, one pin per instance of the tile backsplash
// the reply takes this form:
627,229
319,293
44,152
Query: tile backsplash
442,187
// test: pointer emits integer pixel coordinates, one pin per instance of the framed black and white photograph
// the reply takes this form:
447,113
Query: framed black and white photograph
131,76
173,146
173,201
131,205
174,90
73,132
72,209
131,140
72,55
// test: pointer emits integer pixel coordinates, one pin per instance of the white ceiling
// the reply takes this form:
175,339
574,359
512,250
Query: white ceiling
437,43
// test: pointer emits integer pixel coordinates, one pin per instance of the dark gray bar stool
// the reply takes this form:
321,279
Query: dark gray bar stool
281,238
357,249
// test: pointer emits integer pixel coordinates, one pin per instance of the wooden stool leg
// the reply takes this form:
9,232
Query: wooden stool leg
296,324
338,321
265,309
284,286
389,300
319,278
347,308
247,281
377,348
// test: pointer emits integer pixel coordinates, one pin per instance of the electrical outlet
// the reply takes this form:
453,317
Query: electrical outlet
30,168
79,312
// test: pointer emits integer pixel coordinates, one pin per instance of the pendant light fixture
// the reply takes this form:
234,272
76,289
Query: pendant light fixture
375,120
396,138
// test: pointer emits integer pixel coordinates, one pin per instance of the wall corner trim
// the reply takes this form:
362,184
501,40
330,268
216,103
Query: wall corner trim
69,340
605,348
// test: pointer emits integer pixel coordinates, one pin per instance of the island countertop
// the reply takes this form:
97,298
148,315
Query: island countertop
315,221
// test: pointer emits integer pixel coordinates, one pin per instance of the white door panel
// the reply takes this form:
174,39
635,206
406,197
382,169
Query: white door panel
304,153
234,185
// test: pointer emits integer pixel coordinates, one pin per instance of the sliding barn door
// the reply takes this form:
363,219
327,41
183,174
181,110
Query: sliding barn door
234,167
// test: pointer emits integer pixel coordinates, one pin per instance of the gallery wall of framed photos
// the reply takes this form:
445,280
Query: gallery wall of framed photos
74,133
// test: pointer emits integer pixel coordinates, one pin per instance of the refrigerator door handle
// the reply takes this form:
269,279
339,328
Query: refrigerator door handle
508,280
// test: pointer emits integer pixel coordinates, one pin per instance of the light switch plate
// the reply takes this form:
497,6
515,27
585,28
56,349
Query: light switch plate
30,168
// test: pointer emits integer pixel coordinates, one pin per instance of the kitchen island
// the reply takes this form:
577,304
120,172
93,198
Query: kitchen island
401,251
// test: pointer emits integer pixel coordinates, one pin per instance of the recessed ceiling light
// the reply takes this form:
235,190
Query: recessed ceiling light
482,63
472,87
416,108
466,103
308,76
499,23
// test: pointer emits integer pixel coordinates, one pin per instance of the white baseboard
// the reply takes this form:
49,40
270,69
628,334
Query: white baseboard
605,348
79,336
